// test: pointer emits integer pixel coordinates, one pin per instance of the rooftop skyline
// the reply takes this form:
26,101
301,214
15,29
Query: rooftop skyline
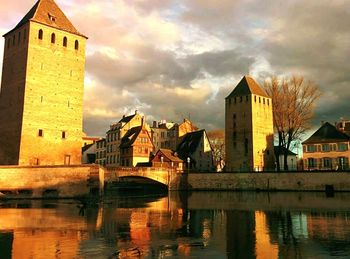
170,58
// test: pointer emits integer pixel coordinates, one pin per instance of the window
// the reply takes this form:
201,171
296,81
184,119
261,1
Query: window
246,98
19,38
24,35
343,147
8,43
259,100
76,45
234,116
263,100
325,148
311,163
65,42
268,102
14,40
327,162
254,98
63,134
40,35
40,133
235,100
240,99
246,146
310,148
53,38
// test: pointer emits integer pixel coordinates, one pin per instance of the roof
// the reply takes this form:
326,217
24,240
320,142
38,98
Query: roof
189,143
170,155
327,133
86,147
126,119
130,137
283,149
248,86
43,11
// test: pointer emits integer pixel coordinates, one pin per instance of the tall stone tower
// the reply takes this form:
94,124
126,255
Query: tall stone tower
41,98
248,128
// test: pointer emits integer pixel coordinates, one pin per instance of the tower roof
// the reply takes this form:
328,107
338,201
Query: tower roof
48,13
327,133
247,86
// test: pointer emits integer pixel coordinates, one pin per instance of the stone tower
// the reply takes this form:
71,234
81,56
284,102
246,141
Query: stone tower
248,128
41,98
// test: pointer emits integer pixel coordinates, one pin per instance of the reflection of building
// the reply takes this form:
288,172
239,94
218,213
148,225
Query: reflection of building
248,128
168,135
136,146
292,158
42,90
196,147
168,159
326,149
263,245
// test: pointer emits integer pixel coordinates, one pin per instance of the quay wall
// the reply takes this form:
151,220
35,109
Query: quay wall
48,181
291,181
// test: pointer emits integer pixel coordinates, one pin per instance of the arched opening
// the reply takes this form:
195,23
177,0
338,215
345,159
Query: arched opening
40,34
65,42
76,45
53,38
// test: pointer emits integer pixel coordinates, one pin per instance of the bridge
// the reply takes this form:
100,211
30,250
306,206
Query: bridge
165,176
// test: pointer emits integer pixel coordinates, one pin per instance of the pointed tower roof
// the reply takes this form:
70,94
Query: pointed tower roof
327,133
48,13
247,86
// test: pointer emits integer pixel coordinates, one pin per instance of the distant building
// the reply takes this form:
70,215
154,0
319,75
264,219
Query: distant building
168,159
292,159
327,149
88,154
101,152
41,98
167,135
136,146
196,147
248,128
115,135
89,140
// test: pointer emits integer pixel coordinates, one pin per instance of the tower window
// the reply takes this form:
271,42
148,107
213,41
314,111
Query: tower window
263,100
76,45
246,98
40,133
53,38
65,42
14,40
40,34
19,38
255,98
63,134
8,43
259,100
268,102
240,99
24,35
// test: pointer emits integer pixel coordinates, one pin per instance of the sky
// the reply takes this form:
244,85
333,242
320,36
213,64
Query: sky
172,59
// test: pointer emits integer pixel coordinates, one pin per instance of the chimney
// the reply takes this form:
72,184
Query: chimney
136,111
155,124
123,116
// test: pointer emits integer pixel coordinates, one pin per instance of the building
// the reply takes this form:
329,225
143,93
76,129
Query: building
343,126
167,135
292,159
136,146
248,128
195,150
101,152
41,98
168,159
89,140
115,134
88,154
326,149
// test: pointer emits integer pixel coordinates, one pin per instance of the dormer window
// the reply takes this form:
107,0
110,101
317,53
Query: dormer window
52,18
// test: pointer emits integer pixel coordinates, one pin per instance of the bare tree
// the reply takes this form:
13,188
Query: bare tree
217,141
293,107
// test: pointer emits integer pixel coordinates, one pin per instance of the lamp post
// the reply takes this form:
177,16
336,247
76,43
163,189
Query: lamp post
188,164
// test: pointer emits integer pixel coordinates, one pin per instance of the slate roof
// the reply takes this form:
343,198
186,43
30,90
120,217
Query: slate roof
41,13
130,137
248,86
169,154
189,144
290,153
327,133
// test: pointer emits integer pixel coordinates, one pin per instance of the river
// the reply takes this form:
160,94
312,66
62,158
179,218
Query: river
178,225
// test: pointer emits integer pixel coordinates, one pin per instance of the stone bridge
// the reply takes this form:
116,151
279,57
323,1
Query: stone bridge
165,176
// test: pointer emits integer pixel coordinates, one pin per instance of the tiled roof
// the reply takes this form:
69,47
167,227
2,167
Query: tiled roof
48,13
189,144
170,155
130,137
327,133
247,86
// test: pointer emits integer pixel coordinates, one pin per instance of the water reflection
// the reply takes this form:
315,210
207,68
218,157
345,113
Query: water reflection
179,225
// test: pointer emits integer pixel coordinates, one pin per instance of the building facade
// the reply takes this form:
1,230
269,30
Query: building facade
101,152
327,149
248,128
166,158
41,98
196,152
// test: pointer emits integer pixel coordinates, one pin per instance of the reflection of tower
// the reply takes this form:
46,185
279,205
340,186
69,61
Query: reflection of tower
248,128
41,98
240,234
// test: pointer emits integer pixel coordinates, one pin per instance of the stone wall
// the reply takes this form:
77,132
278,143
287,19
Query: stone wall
296,181
49,181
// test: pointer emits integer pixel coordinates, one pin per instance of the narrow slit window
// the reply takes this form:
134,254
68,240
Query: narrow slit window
40,34
65,42
40,133
63,134
76,45
14,40
53,38
19,38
